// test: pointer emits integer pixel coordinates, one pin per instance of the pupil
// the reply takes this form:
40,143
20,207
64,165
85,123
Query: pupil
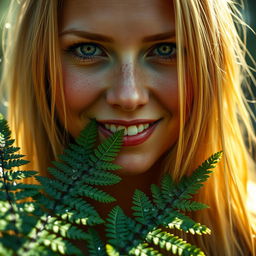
88,49
165,49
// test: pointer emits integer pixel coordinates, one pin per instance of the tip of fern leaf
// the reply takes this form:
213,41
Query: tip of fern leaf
1,116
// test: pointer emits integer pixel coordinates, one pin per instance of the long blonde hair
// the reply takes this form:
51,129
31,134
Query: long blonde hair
212,53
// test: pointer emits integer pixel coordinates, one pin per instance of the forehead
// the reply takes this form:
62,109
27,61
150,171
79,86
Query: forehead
118,18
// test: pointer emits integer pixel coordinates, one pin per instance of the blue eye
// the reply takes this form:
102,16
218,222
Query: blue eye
165,50
86,50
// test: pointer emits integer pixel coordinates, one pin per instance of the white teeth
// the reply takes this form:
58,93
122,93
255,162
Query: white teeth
146,126
140,128
125,131
112,128
120,127
132,130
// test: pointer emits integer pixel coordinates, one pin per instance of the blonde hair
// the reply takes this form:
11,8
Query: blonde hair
210,50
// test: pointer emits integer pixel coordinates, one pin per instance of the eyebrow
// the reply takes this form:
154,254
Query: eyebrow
157,37
99,37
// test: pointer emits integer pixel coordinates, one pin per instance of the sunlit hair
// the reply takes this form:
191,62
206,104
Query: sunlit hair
212,56
31,75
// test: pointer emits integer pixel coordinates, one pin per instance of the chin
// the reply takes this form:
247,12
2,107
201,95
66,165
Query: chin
133,165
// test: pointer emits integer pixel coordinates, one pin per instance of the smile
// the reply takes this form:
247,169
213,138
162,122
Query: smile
135,131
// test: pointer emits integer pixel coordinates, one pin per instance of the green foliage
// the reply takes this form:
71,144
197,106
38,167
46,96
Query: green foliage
49,218
165,210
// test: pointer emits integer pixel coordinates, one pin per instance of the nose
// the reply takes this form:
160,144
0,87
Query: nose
127,92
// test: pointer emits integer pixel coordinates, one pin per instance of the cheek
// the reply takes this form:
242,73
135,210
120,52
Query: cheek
80,89
166,90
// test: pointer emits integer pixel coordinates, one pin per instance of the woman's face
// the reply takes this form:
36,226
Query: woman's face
119,67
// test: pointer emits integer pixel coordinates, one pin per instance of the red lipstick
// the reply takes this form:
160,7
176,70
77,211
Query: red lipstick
130,140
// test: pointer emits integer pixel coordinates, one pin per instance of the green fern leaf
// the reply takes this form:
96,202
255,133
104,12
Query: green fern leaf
20,195
106,166
111,251
157,197
107,151
64,168
87,137
10,241
76,156
17,186
187,205
11,156
172,243
93,193
190,185
80,218
10,150
65,229
59,175
71,162
18,175
99,177
143,207
95,245
167,187
13,163
4,251
144,250
52,183
116,227
186,224
57,244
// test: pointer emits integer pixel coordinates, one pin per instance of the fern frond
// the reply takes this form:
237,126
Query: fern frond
68,170
189,186
18,175
52,184
186,224
187,205
72,162
116,227
157,197
95,245
111,251
93,193
99,177
172,243
58,175
167,187
106,166
13,163
107,151
65,229
144,250
87,137
143,207
80,218
47,224
7,156
58,244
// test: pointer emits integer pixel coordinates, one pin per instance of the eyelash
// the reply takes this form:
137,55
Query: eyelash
73,49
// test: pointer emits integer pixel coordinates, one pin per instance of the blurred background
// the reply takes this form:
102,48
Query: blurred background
249,13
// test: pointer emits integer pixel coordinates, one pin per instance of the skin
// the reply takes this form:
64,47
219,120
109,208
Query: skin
126,79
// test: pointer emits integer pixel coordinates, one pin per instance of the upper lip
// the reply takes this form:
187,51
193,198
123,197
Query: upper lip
128,122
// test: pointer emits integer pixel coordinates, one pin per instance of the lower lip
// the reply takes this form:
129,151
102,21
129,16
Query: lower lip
134,139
